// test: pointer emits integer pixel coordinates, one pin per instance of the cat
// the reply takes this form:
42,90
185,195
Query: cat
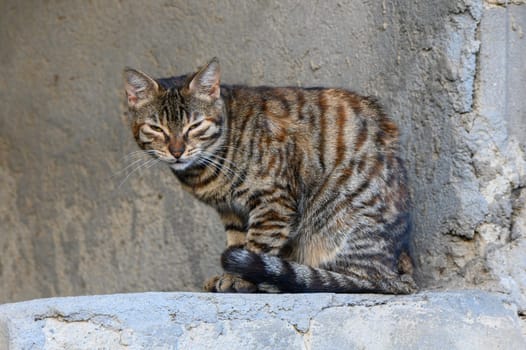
307,181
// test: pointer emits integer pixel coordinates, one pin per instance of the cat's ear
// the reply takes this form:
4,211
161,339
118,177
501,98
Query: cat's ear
206,81
140,88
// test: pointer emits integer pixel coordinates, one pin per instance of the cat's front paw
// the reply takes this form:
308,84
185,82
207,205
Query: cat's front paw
227,283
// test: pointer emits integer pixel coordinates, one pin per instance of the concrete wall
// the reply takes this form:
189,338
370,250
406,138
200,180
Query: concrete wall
450,72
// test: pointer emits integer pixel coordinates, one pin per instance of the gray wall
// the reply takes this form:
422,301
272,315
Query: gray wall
67,225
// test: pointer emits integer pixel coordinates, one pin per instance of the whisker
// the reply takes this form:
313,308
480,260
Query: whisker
127,167
206,162
157,161
145,165
139,155
224,159
134,154
217,157
223,168
210,164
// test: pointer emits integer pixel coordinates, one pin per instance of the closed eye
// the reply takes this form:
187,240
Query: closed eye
193,126
156,128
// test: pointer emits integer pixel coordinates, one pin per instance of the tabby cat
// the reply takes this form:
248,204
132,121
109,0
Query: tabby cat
307,181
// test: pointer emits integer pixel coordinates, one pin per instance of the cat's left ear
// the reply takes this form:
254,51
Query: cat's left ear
206,81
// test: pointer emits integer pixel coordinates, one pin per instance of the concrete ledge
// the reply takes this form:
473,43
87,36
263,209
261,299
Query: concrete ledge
449,320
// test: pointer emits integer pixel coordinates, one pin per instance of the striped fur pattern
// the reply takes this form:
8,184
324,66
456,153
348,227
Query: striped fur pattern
307,181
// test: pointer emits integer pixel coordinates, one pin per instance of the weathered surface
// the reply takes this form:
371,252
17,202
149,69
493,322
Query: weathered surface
450,72
492,140
452,320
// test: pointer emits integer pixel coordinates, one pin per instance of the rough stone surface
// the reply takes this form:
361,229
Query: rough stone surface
451,320
77,217
493,132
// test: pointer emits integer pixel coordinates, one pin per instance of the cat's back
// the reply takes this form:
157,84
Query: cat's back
334,119
318,139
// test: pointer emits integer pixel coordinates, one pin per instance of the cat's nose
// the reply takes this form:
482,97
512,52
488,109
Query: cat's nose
176,150
176,146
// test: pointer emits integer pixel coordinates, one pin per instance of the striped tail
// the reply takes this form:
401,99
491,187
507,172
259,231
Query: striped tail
273,274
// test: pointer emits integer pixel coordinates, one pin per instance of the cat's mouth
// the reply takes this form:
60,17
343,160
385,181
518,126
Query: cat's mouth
180,164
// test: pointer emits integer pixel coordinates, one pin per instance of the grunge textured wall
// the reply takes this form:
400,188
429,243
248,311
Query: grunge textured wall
450,72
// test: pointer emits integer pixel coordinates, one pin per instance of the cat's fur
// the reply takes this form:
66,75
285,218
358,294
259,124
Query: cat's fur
308,182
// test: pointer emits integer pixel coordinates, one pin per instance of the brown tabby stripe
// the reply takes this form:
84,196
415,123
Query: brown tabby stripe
340,142
355,102
301,102
388,127
322,102
257,197
270,166
263,225
362,136
241,177
272,215
345,174
246,118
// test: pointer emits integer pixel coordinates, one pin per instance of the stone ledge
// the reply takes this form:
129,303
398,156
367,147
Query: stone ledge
429,320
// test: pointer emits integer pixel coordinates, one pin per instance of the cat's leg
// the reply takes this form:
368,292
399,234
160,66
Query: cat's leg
268,231
269,226
228,283
236,236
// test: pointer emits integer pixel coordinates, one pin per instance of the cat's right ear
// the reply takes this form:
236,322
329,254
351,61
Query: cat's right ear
140,88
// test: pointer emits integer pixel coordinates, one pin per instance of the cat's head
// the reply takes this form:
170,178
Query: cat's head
181,125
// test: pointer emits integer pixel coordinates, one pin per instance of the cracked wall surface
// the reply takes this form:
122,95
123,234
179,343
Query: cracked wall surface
485,237
498,143
75,220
